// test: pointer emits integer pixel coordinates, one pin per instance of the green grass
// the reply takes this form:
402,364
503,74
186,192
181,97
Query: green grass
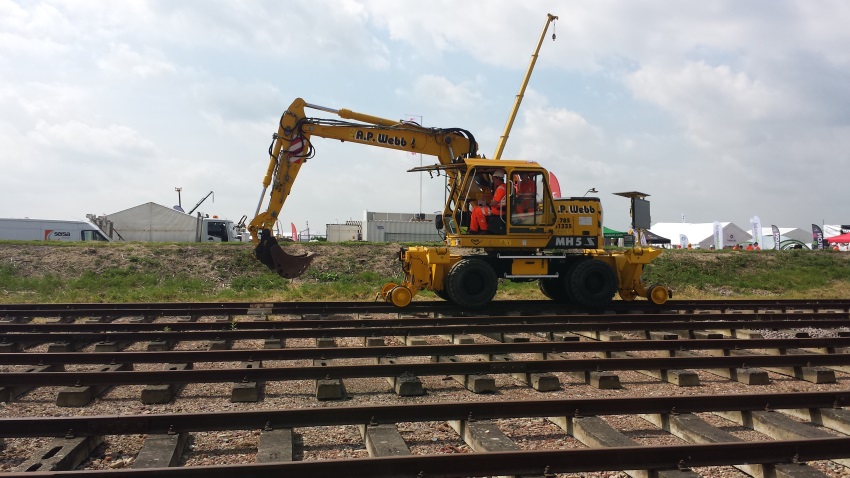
76,272
753,274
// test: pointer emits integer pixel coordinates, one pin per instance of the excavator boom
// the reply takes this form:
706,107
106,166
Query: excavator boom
292,147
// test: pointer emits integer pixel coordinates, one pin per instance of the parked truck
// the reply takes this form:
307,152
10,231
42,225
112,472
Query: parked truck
151,222
49,230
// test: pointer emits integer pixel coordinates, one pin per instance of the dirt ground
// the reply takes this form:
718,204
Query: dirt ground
206,261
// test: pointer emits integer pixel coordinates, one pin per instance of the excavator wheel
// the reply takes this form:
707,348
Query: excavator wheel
554,289
471,283
593,283
657,294
288,266
443,295
566,281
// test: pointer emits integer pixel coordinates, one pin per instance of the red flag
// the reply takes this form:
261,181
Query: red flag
556,187
294,232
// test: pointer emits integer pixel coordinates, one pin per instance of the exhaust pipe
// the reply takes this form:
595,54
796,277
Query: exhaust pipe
288,266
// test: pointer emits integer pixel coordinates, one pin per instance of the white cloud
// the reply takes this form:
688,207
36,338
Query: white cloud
442,93
714,104
91,140
122,60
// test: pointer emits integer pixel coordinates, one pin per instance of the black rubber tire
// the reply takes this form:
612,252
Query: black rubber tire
567,283
593,283
554,289
443,295
471,283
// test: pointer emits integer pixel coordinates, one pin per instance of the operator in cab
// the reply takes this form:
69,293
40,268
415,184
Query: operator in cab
496,221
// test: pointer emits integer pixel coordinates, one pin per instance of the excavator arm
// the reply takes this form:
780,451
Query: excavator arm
292,146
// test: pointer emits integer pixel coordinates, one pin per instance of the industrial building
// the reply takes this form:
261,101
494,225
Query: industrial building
386,227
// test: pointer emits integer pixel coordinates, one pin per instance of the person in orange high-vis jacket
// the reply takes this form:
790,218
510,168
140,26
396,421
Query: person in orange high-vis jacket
525,192
478,221
496,221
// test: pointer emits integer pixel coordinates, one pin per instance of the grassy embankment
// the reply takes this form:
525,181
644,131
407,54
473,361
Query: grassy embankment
143,272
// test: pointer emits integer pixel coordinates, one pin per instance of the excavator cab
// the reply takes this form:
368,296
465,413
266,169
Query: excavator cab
519,205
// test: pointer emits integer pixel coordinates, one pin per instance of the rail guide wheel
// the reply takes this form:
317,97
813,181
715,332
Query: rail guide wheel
386,290
658,294
400,296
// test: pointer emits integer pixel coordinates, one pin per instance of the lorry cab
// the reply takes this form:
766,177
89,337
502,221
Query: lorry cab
221,230
49,230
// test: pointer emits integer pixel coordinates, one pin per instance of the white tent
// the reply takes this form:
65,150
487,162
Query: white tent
701,234
834,230
788,236
154,223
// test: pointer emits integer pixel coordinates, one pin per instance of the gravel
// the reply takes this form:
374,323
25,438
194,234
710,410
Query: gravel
320,443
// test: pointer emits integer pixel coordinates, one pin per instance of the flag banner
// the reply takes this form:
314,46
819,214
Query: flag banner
817,237
294,232
775,236
554,185
755,222
683,241
718,235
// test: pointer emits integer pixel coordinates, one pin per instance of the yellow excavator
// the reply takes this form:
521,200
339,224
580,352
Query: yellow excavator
501,211
529,234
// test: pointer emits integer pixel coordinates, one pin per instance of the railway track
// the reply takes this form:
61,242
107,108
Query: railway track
11,311
691,389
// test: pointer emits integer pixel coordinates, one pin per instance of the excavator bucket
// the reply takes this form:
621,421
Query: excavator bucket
288,266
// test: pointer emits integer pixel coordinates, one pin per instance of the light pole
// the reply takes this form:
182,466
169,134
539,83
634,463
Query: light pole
421,120
591,190
179,201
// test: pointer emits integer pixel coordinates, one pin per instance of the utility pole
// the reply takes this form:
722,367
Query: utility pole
421,120
179,201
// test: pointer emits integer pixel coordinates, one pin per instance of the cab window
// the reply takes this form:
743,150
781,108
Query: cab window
530,204
91,235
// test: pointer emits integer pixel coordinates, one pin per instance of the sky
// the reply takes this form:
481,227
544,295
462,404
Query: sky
720,110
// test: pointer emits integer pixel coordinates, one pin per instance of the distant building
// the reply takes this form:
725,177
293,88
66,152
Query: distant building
350,231
399,227
701,234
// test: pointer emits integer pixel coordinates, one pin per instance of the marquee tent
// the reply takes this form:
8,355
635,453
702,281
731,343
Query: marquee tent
608,232
612,237
701,234
653,238
842,239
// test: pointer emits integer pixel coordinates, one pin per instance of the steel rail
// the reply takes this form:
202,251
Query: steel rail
535,462
362,330
14,379
497,307
60,426
262,355
754,318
